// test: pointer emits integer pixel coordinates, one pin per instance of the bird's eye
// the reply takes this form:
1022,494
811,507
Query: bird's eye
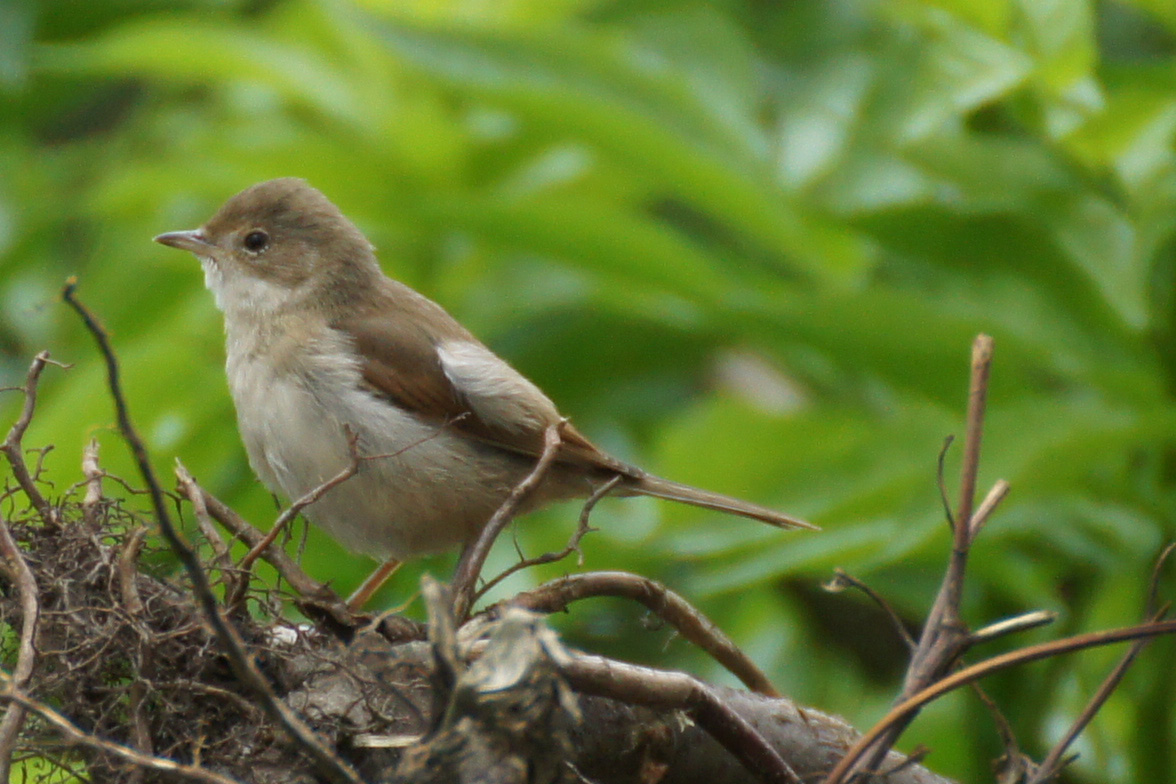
256,241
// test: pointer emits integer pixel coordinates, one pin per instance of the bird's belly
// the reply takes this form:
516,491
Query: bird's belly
420,487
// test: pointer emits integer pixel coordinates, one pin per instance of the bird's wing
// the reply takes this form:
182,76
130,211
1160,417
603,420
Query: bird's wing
436,369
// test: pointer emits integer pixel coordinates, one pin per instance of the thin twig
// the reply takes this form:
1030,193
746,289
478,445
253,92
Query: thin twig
910,706
329,764
469,566
30,612
315,494
1014,625
842,578
987,507
945,636
251,536
977,403
556,595
128,558
1153,587
941,480
13,449
573,545
221,556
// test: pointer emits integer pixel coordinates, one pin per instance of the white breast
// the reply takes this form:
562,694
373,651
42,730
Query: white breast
420,487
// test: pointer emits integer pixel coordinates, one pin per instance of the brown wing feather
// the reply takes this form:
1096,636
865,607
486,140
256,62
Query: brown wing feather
399,361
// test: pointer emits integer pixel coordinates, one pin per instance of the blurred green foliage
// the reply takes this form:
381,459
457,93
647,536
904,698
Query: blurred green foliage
743,243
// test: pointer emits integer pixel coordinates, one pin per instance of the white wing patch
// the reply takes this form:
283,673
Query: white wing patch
497,393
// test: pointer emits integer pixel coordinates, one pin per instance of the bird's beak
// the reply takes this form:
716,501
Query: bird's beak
193,241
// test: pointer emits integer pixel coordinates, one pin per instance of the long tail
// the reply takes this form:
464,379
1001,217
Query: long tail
673,491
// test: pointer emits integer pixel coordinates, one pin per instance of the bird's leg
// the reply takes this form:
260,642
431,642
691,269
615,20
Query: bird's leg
373,583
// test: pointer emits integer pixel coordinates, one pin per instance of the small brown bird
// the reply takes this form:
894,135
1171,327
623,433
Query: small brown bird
320,342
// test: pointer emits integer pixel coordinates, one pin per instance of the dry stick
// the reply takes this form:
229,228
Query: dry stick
693,625
573,545
92,502
12,448
285,518
944,635
469,566
74,734
631,684
842,579
30,612
910,706
275,556
315,494
128,558
1014,625
221,556
328,764
987,507
944,616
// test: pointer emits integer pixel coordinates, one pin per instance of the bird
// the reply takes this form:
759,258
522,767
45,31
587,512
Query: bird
327,356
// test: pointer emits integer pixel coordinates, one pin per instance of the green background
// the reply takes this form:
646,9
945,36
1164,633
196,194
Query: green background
743,244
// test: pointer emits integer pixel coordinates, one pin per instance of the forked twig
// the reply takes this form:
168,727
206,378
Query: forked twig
294,509
473,557
13,448
221,555
573,545
945,636
275,556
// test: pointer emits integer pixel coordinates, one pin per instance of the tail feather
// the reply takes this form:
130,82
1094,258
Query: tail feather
674,491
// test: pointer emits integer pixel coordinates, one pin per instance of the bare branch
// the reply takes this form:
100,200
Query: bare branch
573,545
1019,623
1053,762
690,623
221,556
987,507
473,557
945,636
14,450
